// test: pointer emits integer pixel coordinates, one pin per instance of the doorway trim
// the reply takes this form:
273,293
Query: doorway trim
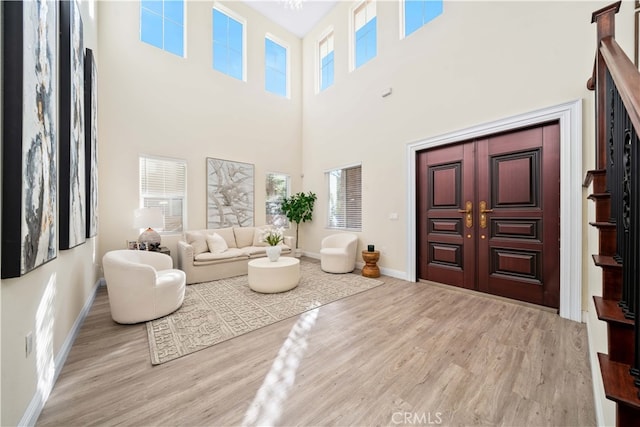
570,117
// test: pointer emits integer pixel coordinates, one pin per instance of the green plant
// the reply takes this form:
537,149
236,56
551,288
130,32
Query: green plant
298,208
273,237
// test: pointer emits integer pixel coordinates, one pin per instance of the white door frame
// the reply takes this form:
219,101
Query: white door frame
570,117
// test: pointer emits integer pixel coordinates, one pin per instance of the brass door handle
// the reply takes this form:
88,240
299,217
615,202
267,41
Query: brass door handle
483,214
469,214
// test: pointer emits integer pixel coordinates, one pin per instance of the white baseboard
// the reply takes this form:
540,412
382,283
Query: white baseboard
383,270
40,398
596,379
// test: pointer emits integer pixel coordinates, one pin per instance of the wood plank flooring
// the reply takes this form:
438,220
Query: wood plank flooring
400,354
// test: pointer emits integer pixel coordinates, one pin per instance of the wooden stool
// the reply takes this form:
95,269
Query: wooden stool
371,268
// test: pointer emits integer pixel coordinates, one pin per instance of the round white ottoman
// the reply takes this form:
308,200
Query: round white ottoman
271,277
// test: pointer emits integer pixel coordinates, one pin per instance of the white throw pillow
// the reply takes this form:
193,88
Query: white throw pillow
197,240
216,244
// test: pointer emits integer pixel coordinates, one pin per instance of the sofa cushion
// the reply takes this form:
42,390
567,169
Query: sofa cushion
216,244
226,234
260,234
226,255
244,236
198,240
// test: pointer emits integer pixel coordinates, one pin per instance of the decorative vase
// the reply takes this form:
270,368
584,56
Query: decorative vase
273,252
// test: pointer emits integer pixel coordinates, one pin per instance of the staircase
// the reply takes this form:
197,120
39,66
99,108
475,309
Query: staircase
616,193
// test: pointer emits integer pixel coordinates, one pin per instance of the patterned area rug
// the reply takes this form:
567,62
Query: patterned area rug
216,311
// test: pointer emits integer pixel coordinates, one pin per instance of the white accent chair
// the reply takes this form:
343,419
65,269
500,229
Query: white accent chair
338,253
142,285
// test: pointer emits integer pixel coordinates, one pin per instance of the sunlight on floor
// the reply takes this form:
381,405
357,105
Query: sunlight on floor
44,339
266,408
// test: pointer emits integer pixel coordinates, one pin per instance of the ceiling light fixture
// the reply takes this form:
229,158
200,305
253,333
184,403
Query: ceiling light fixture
293,4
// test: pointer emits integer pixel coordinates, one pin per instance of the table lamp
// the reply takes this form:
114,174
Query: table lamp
148,218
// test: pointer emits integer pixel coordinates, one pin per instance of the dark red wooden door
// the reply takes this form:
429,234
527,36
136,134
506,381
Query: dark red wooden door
488,213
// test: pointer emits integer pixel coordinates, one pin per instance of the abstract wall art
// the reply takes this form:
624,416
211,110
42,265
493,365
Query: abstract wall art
91,142
29,135
229,194
72,142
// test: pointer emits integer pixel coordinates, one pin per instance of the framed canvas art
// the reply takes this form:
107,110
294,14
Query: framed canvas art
91,142
29,135
229,194
72,142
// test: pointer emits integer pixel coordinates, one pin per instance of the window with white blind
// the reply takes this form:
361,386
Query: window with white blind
345,198
163,185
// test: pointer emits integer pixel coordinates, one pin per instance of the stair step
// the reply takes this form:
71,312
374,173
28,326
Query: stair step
618,385
609,311
599,178
606,261
603,224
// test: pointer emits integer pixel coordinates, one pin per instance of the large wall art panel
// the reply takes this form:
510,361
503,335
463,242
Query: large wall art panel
91,141
72,142
29,135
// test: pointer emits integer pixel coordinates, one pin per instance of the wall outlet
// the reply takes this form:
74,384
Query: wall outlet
28,344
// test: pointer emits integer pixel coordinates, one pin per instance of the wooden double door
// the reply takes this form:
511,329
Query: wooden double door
489,214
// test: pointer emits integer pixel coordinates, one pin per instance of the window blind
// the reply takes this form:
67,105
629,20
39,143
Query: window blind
163,185
345,198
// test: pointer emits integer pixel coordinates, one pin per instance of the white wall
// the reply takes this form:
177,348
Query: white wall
153,102
47,302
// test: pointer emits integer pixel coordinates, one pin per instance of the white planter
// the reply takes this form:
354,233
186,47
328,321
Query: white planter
273,252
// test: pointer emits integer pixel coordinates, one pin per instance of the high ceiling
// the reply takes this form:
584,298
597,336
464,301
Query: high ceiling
300,21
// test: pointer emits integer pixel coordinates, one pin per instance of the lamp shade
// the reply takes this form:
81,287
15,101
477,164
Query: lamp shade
148,218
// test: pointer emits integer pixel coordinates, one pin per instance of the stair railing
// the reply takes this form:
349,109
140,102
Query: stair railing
616,81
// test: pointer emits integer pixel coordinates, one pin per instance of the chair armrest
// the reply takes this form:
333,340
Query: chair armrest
185,254
289,241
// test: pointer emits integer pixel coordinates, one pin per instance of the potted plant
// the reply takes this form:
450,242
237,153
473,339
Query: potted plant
298,208
273,238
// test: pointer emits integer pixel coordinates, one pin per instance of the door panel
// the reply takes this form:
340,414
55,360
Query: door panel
445,185
512,247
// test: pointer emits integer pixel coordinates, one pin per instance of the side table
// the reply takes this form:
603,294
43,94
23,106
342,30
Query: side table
370,268
164,250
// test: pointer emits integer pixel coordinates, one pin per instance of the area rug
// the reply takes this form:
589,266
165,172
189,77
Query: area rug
216,311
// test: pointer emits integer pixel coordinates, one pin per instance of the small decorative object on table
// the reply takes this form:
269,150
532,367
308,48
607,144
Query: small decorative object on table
371,268
371,248
273,237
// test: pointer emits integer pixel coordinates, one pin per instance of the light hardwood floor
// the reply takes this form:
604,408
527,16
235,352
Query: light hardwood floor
400,354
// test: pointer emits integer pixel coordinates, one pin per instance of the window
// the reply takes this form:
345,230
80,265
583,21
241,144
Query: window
345,198
418,12
276,67
162,24
163,185
365,32
228,43
325,49
277,189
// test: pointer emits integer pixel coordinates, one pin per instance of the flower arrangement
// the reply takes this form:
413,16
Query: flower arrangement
273,237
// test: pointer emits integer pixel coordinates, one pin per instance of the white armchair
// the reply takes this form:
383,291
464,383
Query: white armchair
142,285
338,253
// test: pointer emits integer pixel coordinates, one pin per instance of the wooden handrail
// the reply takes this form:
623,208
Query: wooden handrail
626,77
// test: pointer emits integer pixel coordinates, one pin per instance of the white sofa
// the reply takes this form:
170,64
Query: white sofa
201,264
142,285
